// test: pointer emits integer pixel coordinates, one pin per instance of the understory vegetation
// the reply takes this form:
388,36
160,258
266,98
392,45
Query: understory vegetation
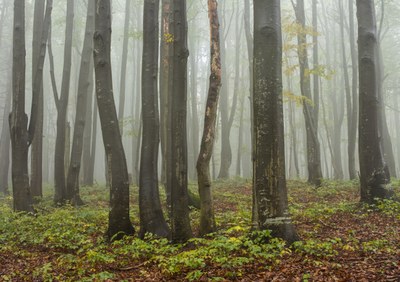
342,240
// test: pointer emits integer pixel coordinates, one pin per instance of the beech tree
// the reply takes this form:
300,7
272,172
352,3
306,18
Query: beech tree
177,179
61,102
373,169
22,134
310,111
37,143
151,214
207,220
119,223
80,117
271,202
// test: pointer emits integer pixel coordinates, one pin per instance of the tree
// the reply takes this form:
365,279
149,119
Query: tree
151,214
176,173
373,169
310,111
207,220
119,223
37,144
80,117
22,134
123,65
18,118
269,152
62,104
354,95
5,143
166,48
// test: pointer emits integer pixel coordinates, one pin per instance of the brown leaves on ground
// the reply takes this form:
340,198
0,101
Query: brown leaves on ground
342,241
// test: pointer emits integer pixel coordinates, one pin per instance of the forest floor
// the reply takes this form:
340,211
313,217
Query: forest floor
342,240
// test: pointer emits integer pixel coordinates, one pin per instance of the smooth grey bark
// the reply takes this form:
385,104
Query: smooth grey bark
166,49
150,210
124,61
22,198
81,106
354,95
88,137
5,143
137,121
310,111
194,103
373,169
226,150
37,143
269,162
61,194
5,133
119,223
349,100
207,219
176,147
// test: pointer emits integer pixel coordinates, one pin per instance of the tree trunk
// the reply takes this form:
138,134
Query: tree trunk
37,143
177,139
373,170
151,214
269,162
5,143
194,103
123,67
207,220
119,223
18,118
354,95
62,104
88,136
166,49
79,126
310,111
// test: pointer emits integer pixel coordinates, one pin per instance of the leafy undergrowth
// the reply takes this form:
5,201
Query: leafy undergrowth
342,240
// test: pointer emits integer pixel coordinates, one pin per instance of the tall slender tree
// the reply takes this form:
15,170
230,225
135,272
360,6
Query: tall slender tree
80,117
354,95
151,214
119,223
269,160
5,142
373,169
310,111
177,162
62,104
37,143
124,61
207,220
18,118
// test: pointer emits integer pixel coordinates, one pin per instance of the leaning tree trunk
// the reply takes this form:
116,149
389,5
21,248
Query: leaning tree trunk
207,220
177,179
80,117
18,118
151,214
62,104
373,170
119,223
310,111
269,161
